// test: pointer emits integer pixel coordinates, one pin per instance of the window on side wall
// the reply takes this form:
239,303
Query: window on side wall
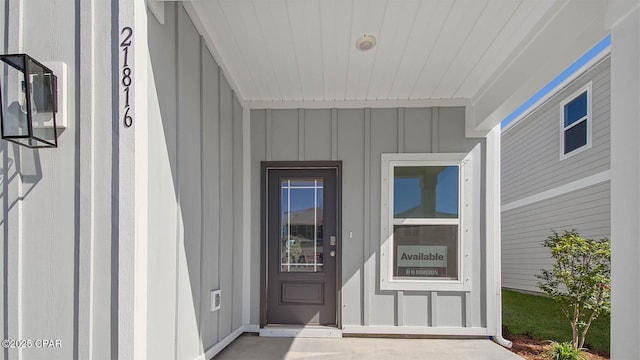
426,221
575,122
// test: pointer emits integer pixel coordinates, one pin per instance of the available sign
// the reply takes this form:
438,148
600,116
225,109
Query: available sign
421,260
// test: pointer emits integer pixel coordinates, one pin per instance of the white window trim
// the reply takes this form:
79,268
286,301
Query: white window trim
589,89
468,218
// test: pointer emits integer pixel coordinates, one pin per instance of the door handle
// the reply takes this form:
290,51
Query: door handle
332,253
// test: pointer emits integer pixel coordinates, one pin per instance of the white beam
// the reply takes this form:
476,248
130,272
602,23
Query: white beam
132,67
246,215
354,104
493,234
625,191
568,31
87,109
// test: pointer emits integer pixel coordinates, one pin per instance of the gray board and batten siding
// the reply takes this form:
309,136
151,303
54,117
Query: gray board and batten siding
531,165
56,204
195,195
358,137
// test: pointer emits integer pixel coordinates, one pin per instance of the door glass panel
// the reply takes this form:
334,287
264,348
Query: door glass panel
301,219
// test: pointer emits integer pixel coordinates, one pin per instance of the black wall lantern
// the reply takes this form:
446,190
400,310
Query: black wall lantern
28,92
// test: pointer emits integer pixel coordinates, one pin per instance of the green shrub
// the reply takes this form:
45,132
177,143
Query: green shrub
563,351
580,280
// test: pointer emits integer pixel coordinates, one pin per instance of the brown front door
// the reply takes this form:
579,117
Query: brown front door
302,251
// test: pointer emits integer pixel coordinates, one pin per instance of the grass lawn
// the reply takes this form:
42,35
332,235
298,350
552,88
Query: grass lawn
540,317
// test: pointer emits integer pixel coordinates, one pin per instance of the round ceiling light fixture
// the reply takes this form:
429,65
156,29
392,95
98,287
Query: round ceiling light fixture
366,42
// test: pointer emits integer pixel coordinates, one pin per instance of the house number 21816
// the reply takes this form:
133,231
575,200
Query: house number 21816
127,34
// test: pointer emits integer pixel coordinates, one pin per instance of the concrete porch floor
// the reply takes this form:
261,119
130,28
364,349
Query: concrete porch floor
252,347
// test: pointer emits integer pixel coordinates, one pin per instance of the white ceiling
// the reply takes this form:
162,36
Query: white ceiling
304,49
490,55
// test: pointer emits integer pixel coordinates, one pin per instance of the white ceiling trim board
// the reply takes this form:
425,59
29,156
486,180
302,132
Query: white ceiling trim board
485,52
389,83
469,35
345,90
192,10
355,104
279,42
375,53
243,27
411,60
432,50
267,49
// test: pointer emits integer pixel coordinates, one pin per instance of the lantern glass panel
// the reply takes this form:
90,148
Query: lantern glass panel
41,85
14,99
